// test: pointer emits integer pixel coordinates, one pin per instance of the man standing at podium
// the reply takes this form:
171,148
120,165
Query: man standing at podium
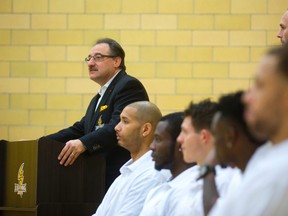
95,131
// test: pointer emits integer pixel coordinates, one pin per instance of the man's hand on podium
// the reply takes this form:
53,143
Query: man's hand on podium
71,151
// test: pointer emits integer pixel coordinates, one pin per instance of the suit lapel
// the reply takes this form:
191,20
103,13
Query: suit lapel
90,116
96,119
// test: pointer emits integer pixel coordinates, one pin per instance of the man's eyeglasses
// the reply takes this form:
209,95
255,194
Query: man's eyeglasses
98,57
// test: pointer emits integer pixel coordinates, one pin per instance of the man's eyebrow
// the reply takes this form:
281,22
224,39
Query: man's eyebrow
123,117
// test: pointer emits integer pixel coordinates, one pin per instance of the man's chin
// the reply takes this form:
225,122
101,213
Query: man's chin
283,42
258,130
92,77
157,167
120,144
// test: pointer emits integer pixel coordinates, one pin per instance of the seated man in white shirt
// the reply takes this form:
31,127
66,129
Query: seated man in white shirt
234,146
196,142
264,189
135,132
166,155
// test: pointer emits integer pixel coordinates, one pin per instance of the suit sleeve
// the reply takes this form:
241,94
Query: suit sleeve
74,132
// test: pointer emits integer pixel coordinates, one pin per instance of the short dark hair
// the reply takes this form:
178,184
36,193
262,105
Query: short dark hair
231,107
174,121
201,113
281,53
115,48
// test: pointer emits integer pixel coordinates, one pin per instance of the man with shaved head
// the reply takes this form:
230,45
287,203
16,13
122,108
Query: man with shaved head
283,32
135,132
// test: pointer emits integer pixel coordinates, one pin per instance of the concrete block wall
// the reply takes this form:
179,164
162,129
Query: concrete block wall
181,50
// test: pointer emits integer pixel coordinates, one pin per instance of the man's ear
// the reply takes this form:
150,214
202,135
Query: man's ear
230,136
146,129
206,136
117,61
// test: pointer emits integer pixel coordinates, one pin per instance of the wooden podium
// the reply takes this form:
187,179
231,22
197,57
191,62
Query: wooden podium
32,182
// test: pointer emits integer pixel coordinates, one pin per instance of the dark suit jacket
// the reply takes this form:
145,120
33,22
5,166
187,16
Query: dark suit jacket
96,129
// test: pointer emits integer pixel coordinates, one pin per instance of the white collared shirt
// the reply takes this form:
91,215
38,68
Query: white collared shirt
264,188
103,89
127,194
189,200
233,187
156,199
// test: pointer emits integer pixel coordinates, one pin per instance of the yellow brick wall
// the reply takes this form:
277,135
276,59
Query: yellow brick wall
180,50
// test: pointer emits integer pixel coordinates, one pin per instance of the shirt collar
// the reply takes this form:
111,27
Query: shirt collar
190,173
131,166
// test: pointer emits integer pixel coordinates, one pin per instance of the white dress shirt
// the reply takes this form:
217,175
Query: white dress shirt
103,89
127,193
233,187
189,201
264,189
156,199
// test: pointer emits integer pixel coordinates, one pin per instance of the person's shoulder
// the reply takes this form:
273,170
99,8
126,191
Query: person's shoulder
130,88
123,76
150,174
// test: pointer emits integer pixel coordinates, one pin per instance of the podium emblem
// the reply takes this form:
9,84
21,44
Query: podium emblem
20,188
